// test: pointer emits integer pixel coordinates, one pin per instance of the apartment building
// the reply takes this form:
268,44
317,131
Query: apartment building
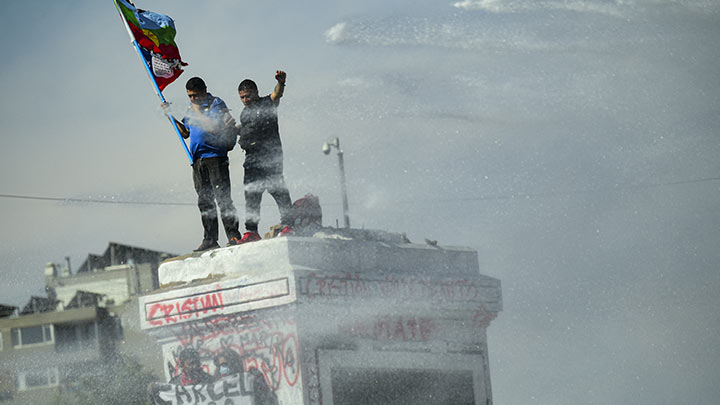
86,319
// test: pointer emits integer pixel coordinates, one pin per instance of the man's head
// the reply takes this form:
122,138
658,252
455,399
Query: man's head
228,362
248,92
189,358
196,90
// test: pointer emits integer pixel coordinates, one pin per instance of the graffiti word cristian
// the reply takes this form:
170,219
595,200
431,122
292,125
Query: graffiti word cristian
350,284
208,303
171,311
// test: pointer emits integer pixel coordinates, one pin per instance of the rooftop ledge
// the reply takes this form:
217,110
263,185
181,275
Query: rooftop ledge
333,251
331,267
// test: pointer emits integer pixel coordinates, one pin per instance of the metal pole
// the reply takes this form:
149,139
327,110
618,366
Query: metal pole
343,187
327,147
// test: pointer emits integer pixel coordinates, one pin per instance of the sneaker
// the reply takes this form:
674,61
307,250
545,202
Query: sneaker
286,231
249,237
233,241
207,245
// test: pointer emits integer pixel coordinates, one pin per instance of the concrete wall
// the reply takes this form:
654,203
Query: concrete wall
323,318
118,283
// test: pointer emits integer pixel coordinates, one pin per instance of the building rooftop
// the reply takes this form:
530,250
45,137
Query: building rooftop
7,310
117,254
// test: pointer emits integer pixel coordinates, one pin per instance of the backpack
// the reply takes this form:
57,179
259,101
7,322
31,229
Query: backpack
226,138
230,138
306,211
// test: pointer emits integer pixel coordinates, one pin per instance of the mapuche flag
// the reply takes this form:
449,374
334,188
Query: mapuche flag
155,35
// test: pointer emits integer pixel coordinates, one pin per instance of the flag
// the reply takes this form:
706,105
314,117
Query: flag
155,35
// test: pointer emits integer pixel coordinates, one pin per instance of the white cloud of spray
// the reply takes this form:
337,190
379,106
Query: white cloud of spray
443,32
500,6
616,8
439,109
551,25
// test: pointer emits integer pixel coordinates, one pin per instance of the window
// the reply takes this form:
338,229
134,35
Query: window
32,335
38,378
75,336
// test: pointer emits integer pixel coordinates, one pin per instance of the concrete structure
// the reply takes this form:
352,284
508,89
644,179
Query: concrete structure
354,318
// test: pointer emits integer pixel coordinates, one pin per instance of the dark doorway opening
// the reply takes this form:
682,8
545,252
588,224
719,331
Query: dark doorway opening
363,386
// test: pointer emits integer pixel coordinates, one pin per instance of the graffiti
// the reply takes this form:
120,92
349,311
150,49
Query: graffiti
229,390
262,344
482,317
212,302
392,328
283,366
351,285
161,313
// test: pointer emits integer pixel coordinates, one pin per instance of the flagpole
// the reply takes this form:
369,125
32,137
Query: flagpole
152,80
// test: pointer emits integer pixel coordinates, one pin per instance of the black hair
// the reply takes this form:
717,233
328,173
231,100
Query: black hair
196,84
247,84
189,353
233,359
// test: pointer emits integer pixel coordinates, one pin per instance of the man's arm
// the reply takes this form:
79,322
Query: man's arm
228,120
183,130
280,76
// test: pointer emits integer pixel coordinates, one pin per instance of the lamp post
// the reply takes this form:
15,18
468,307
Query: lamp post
326,150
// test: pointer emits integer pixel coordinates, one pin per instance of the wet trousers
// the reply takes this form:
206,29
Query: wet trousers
257,180
211,177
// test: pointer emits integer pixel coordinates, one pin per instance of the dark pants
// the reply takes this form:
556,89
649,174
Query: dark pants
211,177
256,181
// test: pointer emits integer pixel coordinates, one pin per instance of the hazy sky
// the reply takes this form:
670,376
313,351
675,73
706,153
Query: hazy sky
574,144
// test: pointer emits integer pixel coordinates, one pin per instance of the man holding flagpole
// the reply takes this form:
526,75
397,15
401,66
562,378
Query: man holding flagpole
211,130
208,123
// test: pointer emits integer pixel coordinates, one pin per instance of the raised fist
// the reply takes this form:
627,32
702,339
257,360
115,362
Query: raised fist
280,76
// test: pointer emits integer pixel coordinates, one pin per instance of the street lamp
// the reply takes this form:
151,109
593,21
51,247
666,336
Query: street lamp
326,150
